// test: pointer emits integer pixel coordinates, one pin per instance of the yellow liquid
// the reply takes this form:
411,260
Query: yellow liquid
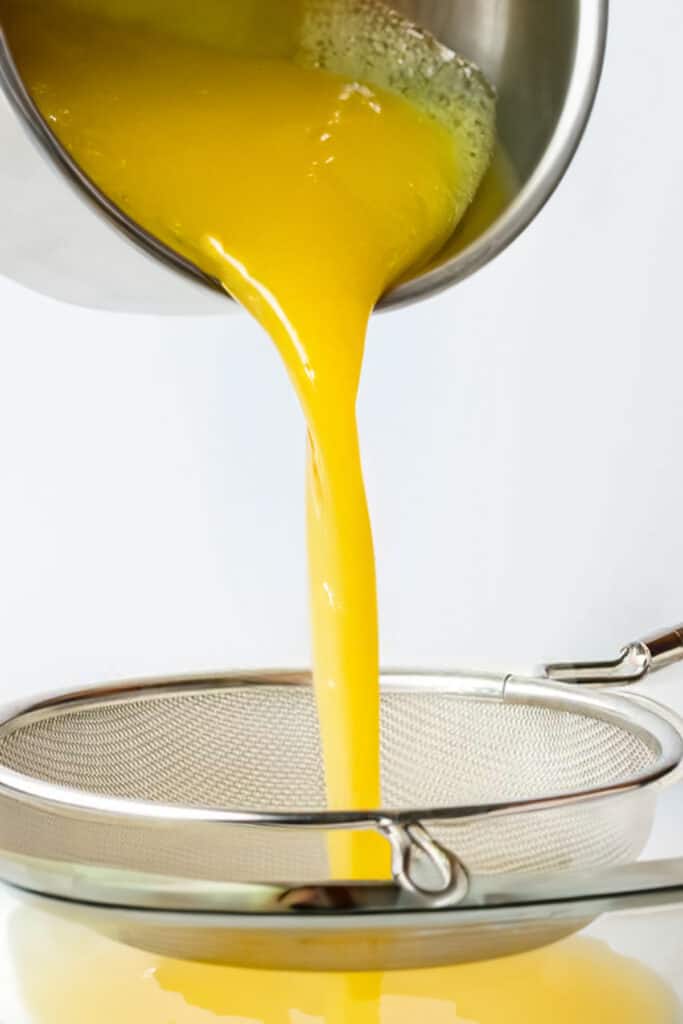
70,976
306,195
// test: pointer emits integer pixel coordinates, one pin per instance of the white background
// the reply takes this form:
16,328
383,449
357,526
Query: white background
522,439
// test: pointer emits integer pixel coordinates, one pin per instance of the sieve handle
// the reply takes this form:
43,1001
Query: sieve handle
664,648
634,662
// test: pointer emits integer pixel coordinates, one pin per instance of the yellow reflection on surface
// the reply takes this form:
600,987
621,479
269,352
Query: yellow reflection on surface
68,975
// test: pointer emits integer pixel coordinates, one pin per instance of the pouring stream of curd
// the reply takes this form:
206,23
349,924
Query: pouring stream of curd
306,195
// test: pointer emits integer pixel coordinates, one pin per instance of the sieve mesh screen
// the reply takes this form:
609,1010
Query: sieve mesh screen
257,748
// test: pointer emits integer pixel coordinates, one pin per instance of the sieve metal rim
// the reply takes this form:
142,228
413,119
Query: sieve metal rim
614,708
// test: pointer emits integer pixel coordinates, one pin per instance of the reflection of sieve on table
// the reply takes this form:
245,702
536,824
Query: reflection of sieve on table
188,816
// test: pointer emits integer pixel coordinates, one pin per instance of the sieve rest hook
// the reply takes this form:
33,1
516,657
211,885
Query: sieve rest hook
423,868
425,877
635,661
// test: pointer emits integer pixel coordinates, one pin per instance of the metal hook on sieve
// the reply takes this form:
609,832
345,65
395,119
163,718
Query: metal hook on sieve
425,876
422,867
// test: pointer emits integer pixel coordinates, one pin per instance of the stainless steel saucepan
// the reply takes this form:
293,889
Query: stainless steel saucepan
544,58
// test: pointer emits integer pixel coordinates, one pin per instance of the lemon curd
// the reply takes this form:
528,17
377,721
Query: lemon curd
306,195
70,976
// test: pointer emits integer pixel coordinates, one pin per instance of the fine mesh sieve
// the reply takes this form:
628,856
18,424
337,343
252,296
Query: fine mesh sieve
188,816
